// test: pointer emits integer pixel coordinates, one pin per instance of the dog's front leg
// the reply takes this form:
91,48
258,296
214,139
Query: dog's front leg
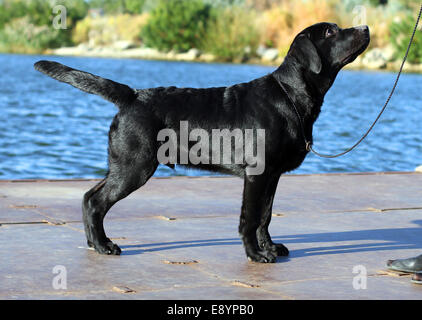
262,233
257,201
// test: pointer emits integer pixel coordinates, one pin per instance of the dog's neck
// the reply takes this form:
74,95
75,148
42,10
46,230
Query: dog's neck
305,84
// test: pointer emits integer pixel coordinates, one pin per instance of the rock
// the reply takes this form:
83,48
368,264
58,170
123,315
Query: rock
68,51
191,55
388,52
419,169
207,57
141,53
375,59
270,54
150,53
171,55
194,53
123,45
261,50
83,47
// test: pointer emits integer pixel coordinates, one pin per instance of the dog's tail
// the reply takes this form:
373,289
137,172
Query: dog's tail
117,93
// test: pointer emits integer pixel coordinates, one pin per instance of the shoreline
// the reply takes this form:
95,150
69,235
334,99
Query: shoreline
194,55
155,55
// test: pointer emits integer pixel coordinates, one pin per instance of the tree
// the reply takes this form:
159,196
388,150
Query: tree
176,24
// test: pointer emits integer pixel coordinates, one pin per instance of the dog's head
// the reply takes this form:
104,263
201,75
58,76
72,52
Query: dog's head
326,48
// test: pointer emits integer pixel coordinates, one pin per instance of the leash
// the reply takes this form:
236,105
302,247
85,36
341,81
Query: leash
308,143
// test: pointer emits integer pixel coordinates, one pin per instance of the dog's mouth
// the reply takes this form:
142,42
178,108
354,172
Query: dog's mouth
364,44
352,57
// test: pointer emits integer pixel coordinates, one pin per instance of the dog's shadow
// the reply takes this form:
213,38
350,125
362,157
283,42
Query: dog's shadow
390,239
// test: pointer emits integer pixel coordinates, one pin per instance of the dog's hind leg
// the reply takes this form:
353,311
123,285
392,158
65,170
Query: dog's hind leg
132,161
263,236
98,201
86,218
258,195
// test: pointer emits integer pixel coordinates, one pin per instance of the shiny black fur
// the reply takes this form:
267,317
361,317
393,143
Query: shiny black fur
316,56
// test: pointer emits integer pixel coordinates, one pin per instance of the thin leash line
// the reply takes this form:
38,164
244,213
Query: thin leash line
309,143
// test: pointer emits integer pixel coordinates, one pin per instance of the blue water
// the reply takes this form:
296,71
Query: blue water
51,130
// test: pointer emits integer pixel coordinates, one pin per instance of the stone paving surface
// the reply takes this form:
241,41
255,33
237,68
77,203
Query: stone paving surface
179,239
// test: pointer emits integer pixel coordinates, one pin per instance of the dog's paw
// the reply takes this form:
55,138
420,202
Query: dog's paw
262,257
281,250
276,249
108,248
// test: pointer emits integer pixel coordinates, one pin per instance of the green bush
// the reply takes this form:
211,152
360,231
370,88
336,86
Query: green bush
21,35
176,25
27,25
119,6
400,37
11,9
39,12
232,34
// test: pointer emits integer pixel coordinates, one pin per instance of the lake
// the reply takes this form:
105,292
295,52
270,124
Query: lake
54,131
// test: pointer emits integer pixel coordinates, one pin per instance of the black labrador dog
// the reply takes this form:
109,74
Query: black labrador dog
315,57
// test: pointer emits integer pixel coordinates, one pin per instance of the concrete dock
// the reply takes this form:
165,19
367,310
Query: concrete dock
179,240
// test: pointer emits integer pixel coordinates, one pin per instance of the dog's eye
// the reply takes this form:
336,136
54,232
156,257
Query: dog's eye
329,32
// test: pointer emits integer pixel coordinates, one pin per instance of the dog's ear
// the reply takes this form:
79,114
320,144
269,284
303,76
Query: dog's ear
305,53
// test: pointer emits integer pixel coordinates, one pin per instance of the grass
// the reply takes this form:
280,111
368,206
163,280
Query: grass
107,29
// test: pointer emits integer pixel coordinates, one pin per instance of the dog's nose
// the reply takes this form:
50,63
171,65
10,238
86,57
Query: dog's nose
364,28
